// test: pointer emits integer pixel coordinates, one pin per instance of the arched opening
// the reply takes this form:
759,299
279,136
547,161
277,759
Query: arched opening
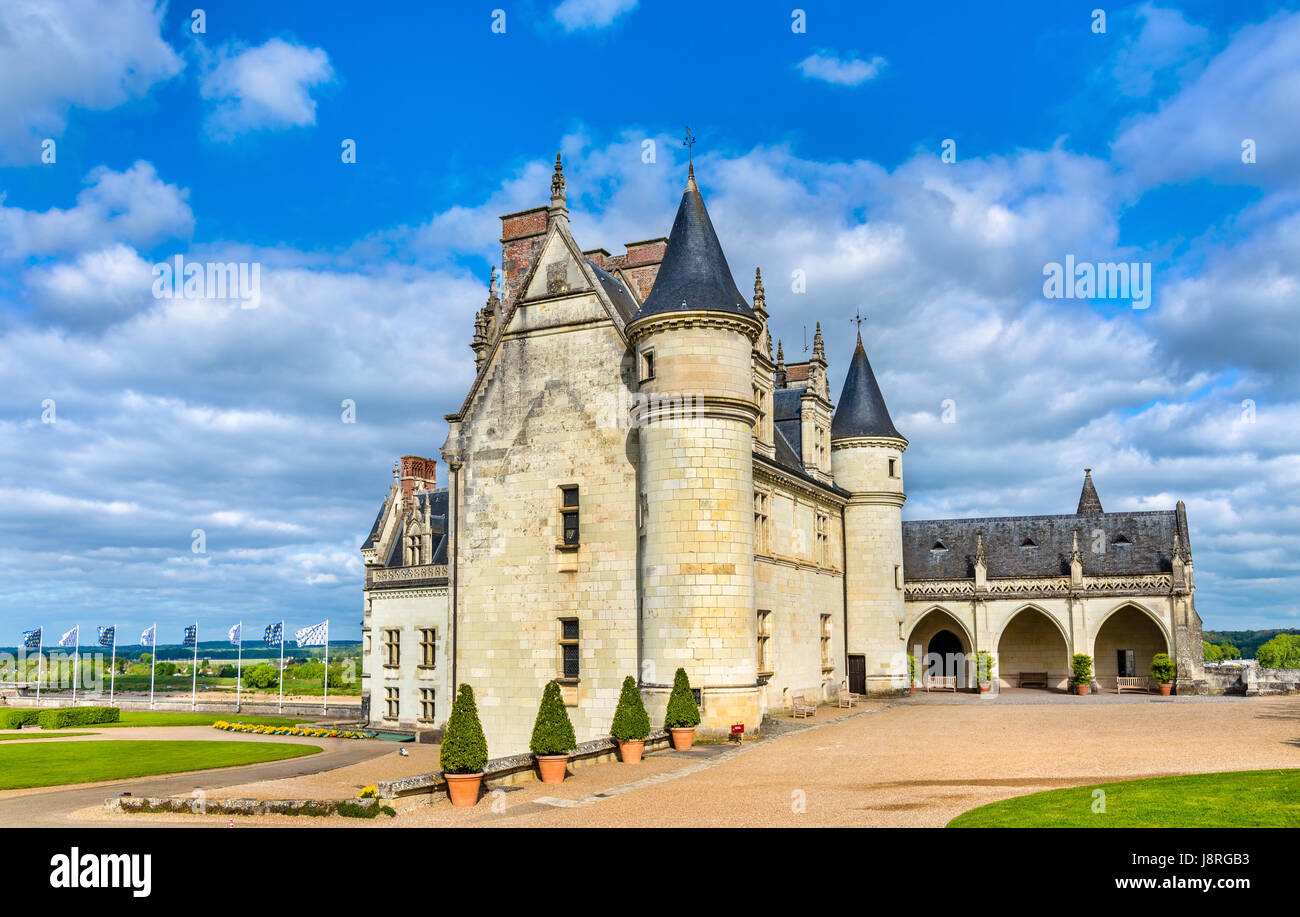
1127,640
940,645
1032,653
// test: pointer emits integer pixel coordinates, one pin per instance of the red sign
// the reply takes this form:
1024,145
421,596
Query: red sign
738,729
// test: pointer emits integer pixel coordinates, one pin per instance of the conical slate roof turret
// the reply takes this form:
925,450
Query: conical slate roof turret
1089,502
694,275
861,411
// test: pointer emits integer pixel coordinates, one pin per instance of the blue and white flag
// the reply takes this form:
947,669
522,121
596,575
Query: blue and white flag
236,634
191,635
272,635
70,638
316,635
108,635
32,639
146,638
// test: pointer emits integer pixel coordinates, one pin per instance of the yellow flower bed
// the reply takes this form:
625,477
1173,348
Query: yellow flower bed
311,732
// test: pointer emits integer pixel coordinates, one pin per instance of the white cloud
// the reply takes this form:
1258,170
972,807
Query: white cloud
60,54
268,86
1250,90
591,14
842,71
133,206
1166,41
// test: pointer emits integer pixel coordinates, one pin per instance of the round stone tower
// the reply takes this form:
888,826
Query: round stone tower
867,460
695,417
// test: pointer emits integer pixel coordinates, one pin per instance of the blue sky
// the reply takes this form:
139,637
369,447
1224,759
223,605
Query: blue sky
818,152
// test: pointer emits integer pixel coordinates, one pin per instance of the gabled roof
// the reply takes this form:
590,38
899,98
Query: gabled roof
617,292
1150,537
861,410
694,275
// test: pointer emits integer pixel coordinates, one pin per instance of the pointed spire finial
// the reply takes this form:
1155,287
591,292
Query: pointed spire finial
819,345
979,549
557,181
1089,502
760,296
780,354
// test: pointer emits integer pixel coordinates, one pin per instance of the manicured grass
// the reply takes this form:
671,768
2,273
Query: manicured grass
57,763
34,734
1237,799
158,718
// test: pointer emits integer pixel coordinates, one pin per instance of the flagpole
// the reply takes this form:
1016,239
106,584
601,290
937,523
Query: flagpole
325,687
112,668
76,663
40,643
280,708
239,668
194,669
153,663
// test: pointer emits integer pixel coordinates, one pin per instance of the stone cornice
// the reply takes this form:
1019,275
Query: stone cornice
671,321
768,471
655,408
850,442
1039,587
394,577
878,497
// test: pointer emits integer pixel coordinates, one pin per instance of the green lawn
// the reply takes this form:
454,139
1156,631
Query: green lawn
158,718
56,763
36,734
1238,799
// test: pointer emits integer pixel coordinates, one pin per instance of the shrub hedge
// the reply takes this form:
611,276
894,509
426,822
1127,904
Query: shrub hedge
17,719
553,731
464,748
682,711
631,722
63,717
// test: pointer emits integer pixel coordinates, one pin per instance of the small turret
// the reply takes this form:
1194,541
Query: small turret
1089,502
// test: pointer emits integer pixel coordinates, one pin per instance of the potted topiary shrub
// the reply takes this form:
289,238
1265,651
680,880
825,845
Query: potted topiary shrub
1082,678
683,715
464,750
631,724
553,736
911,674
984,666
1162,670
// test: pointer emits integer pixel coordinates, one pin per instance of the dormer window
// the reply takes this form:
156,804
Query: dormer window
1028,543
1121,541
938,548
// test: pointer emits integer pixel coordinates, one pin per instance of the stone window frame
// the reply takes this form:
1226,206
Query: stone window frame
821,526
764,631
565,511
392,703
825,635
392,647
893,467
428,648
647,371
563,643
428,705
763,522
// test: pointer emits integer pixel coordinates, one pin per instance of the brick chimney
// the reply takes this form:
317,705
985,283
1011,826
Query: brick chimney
416,471
522,235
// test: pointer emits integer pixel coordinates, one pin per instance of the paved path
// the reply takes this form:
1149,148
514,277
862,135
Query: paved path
54,806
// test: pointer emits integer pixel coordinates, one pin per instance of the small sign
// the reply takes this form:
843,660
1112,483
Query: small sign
738,732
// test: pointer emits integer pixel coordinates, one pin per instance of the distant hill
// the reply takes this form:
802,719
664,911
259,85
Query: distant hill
1248,641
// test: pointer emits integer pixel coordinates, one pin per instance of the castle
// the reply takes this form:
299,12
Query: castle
636,484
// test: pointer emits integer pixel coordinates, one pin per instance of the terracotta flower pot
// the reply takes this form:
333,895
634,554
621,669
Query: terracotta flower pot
683,738
552,767
1165,689
630,751
985,687
463,789
1082,690
911,689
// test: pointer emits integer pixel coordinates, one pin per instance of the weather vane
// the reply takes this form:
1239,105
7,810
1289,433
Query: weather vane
859,318
689,141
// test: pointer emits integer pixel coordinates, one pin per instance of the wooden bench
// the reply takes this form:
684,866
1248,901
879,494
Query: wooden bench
847,698
941,683
801,708
1031,680
1132,683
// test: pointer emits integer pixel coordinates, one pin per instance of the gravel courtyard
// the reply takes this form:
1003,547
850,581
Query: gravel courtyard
907,764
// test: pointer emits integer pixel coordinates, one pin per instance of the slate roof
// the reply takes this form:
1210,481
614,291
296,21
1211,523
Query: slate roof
616,291
437,520
1149,548
861,410
694,274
